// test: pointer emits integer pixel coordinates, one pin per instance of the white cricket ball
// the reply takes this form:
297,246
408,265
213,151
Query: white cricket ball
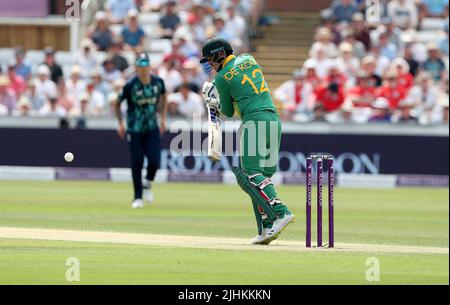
68,157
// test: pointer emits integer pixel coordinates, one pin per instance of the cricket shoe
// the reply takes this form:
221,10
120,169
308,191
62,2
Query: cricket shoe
147,192
278,226
137,204
261,239
148,196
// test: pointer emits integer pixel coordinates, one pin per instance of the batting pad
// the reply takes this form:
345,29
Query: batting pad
257,195
258,215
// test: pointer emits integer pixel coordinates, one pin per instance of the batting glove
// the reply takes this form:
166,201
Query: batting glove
213,103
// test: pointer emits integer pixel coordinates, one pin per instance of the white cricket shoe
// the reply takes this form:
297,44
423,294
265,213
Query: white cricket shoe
137,204
258,239
261,239
148,196
278,226
147,192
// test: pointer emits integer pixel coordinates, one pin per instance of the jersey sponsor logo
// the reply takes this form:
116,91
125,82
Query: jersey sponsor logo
236,70
146,101
146,95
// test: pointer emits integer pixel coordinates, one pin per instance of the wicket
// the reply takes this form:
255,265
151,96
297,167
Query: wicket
319,168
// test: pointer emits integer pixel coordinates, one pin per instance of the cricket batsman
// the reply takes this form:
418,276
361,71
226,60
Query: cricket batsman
242,89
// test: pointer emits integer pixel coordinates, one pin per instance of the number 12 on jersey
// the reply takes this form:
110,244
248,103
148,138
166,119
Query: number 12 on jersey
255,73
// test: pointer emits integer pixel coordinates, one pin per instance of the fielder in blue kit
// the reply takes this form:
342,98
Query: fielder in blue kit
145,94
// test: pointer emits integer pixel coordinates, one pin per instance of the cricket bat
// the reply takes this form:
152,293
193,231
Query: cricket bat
214,123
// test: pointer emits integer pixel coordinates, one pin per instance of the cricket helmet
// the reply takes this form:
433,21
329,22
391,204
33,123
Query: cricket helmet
217,49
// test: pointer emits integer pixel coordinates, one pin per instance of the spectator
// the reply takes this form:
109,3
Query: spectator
324,41
360,32
235,23
37,101
52,109
359,50
348,62
117,10
391,90
120,62
381,61
7,96
172,78
336,32
387,48
55,69
424,95
393,33
110,72
434,64
319,60
202,9
246,8
296,95
335,74
381,111
220,30
170,21
100,84
440,113
185,103
369,65
175,56
75,85
418,49
347,114
191,73
64,100
363,94
24,108
132,34
404,113
101,35
434,8
195,29
405,79
44,86
409,58
187,47
311,74
113,96
83,108
96,99
85,58
331,97
16,82
403,13
152,5
23,68
344,11
319,113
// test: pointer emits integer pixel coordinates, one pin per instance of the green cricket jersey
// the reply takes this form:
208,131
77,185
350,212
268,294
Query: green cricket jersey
242,87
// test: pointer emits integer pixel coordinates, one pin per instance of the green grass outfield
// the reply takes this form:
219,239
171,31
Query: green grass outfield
403,217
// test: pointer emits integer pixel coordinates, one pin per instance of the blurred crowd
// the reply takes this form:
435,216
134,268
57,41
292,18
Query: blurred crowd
371,66
92,83
360,68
